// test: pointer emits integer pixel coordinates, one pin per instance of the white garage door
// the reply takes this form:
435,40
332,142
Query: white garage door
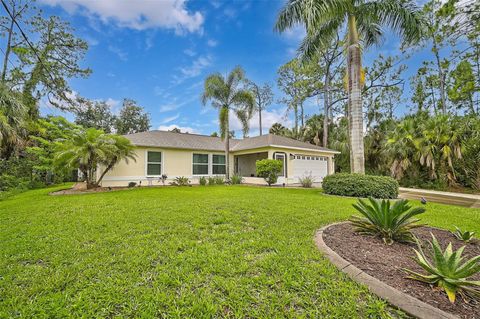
316,166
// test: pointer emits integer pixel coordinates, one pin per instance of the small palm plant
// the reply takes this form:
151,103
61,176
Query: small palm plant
466,236
382,219
446,272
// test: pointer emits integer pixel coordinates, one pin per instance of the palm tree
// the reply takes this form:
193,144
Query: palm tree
89,149
277,129
228,94
13,116
122,149
324,19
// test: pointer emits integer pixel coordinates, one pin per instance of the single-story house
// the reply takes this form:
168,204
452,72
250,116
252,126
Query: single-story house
193,156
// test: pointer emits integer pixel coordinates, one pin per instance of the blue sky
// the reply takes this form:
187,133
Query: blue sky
159,52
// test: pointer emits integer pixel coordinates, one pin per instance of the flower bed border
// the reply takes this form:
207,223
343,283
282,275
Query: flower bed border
406,303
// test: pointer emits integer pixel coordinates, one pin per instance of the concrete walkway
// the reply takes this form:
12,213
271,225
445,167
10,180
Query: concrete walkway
459,199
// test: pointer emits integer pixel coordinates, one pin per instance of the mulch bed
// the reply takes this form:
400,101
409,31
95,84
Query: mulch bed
73,191
386,263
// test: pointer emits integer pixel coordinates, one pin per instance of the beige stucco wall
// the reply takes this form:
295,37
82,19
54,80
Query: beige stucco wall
178,162
175,162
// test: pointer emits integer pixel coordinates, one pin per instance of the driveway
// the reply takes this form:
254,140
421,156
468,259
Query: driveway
459,199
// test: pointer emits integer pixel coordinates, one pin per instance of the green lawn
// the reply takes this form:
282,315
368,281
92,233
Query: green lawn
195,252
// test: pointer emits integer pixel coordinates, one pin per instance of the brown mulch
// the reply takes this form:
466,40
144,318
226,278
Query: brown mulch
386,263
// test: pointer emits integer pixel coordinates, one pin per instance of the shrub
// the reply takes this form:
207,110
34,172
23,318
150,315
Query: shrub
390,222
219,180
466,236
211,181
358,185
180,181
236,179
269,170
445,271
132,184
203,181
306,181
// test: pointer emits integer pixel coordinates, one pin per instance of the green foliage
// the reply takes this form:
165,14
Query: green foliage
444,269
236,179
306,181
211,181
358,185
180,181
389,222
90,149
466,236
202,180
219,180
94,114
132,118
269,170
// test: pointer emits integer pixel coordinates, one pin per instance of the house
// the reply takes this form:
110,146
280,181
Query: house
193,156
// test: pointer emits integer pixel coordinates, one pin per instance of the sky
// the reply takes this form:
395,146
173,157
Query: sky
158,53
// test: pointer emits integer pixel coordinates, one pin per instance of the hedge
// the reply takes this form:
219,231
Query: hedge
358,185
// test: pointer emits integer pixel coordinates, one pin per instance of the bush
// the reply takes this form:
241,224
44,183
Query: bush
236,179
202,181
181,181
211,181
358,185
306,181
219,180
269,170
132,184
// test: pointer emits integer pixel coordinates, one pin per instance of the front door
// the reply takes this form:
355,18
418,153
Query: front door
283,174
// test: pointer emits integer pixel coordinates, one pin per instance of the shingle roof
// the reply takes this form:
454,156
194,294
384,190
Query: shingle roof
203,142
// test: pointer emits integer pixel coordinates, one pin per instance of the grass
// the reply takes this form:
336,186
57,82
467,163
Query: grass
193,252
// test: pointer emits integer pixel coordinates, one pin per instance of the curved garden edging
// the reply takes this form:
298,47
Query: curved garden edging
408,304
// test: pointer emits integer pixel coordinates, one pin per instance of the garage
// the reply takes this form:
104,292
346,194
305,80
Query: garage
303,165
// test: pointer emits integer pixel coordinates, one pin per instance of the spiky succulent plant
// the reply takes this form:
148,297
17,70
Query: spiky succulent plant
387,221
445,270
466,236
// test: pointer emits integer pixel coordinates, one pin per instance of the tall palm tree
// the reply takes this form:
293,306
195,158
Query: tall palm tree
363,19
228,94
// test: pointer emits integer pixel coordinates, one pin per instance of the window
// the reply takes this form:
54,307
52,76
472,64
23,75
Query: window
200,164
154,163
218,165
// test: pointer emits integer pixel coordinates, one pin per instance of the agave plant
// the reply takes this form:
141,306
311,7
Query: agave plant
382,219
466,236
445,271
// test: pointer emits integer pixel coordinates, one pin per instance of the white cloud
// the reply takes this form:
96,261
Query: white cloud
122,55
175,104
189,52
193,70
184,129
269,117
113,104
295,34
168,107
212,43
139,14
171,118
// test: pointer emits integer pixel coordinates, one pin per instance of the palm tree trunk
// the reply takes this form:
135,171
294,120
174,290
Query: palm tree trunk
354,66
227,148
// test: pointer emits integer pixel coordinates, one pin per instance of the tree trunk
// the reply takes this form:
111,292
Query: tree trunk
227,148
7,49
354,66
441,78
326,107
260,119
296,121
302,116
108,168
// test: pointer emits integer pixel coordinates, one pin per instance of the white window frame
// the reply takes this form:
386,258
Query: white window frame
284,173
162,163
208,163
224,164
